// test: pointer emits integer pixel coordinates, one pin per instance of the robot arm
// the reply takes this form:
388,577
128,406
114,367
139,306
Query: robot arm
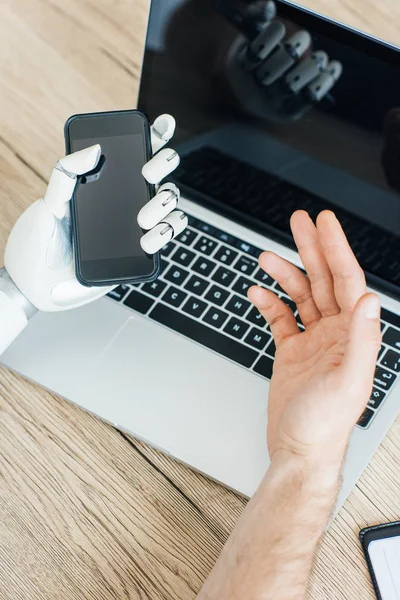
39,271
15,310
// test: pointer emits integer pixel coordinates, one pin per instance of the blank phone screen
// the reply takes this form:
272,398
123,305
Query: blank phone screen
385,558
106,209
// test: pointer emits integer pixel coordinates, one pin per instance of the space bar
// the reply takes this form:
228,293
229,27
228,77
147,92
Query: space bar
204,335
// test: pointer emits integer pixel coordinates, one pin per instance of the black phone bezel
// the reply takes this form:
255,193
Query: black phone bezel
377,532
101,282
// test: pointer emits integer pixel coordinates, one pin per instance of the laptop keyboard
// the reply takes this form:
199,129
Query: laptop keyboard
271,200
202,295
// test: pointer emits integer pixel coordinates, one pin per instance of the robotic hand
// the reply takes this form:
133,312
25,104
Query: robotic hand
275,77
39,271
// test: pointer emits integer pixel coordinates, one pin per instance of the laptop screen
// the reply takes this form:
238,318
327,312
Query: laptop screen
280,114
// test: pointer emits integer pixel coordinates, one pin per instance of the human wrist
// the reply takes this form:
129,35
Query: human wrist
317,473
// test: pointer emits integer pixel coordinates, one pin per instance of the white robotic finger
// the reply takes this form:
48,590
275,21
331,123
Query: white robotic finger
262,46
164,232
262,11
325,82
164,202
284,57
161,165
64,176
162,131
80,162
307,70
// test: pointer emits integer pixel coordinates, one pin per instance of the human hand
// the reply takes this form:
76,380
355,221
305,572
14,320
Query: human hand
39,255
322,377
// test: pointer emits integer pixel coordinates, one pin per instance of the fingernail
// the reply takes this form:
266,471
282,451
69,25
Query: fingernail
372,308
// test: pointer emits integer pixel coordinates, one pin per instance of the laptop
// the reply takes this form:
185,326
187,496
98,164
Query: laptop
184,363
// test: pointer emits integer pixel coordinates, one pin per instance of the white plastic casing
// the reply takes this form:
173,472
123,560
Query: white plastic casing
162,131
264,43
262,11
164,202
12,321
306,71
284,58
161,165
171,226
325,82
38,275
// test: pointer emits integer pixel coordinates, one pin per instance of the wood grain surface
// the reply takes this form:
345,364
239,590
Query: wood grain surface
85,511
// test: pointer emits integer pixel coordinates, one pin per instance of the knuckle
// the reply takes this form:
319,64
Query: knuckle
303,297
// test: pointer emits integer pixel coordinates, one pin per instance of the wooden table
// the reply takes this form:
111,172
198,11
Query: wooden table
85,511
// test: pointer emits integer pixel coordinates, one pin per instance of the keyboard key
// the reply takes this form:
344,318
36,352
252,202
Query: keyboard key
391,337
271,201
168,249
264,366
176,275
164,266
256,317
264,278
155,288
271,348
391,360
206,246
246,265
238,306
183,257
289,302
217,295
215,317
384,379
279,288
242,285
236,328
174,296
366,418
192,221
381,351
247,248
224,276
204,227
196,285
139,302
119,292
257,338
187,237
390,317
203,266
224,237
226,255
194,307
194,330
376,398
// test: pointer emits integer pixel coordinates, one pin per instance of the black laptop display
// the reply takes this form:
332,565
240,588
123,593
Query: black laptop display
256,153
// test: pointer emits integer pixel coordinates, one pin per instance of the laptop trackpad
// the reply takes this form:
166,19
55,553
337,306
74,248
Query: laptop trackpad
173,392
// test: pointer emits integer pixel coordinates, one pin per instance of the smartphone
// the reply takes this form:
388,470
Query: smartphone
104,207
381,545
